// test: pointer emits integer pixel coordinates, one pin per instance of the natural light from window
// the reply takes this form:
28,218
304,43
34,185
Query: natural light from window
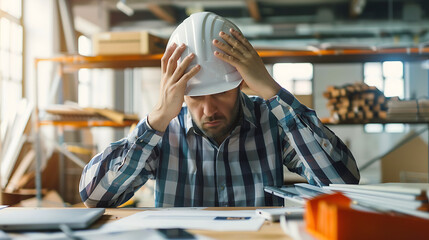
11,42
84,75
295,77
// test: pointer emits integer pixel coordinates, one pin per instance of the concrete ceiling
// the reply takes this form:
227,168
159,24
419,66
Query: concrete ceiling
271,23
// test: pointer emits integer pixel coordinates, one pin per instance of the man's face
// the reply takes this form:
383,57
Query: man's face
215,115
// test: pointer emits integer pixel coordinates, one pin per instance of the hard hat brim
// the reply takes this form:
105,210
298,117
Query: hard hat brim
210,89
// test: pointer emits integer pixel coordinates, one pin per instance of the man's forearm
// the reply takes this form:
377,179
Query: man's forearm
111,176
324,156
158,121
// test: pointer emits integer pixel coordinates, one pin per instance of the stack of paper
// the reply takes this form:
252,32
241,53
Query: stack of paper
407,198
240,220
412,110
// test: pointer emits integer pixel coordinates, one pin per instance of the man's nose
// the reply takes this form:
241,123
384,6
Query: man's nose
209,106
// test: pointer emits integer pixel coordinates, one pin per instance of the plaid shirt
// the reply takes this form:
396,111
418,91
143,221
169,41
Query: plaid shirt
192,170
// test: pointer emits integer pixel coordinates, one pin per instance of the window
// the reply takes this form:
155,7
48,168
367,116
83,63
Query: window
11,61
295,77
84,75
388,77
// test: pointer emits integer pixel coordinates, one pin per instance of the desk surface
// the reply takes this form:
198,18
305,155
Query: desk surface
269,230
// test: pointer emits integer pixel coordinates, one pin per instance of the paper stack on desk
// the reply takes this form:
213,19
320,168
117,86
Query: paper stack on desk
243,220
406,198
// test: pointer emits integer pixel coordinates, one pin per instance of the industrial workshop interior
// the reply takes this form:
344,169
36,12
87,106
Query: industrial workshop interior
79,78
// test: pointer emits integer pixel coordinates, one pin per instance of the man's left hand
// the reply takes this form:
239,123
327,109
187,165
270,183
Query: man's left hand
240,53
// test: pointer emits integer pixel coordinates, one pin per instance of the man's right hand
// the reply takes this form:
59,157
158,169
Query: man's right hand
173,86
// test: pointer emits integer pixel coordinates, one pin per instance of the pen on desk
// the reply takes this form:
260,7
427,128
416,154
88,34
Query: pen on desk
4,236
68,232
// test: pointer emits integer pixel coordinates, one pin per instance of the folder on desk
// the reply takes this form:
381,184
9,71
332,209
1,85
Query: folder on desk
332,217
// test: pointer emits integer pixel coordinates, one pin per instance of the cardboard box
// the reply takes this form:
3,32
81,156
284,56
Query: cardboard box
409,160
123,43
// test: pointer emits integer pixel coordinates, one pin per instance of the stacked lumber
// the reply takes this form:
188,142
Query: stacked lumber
356,103
408,110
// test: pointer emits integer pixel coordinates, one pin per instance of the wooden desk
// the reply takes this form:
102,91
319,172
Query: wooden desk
269,230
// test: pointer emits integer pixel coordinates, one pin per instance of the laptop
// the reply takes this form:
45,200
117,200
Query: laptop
286,192
297,193
23,219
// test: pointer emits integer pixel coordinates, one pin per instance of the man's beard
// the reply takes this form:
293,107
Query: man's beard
217,132
226,129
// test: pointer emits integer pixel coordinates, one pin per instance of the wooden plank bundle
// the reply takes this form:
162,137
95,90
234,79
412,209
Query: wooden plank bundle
408,110
356,103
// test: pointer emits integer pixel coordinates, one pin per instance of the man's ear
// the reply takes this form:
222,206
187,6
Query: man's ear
241,85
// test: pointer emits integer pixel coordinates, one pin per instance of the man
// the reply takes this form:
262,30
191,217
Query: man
223,147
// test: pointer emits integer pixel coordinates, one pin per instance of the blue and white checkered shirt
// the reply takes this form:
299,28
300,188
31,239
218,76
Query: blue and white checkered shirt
192,170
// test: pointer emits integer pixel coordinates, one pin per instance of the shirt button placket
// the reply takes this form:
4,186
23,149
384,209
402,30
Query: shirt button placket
220,172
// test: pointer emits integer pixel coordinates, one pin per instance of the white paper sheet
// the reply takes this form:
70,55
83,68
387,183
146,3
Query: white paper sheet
101,234
243,220
295,229
273,214
93,235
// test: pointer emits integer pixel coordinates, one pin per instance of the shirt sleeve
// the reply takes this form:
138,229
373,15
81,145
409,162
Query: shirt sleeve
310,148
112,176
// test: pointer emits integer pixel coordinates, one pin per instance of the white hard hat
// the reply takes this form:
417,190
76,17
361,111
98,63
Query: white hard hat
197,32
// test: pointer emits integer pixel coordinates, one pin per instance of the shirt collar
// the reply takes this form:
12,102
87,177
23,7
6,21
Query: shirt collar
248,107
189,123
247,114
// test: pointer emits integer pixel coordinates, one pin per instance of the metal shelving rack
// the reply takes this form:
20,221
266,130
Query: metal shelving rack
69,64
